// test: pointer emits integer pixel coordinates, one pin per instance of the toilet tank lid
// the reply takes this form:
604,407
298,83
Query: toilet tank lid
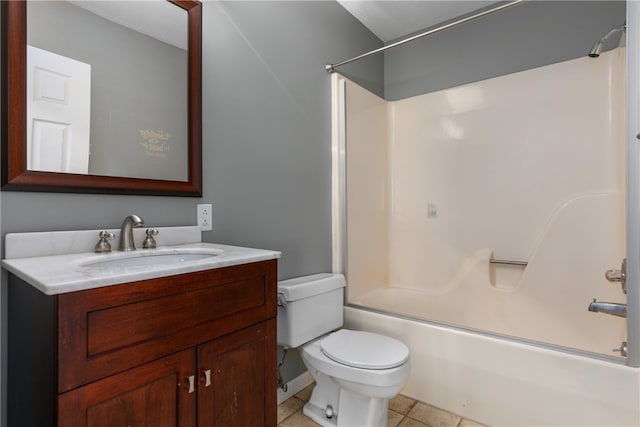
306,286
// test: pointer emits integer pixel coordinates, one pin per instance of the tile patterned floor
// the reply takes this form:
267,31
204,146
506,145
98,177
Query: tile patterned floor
403,412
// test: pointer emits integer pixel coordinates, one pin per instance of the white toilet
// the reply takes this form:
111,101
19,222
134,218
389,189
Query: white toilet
356,372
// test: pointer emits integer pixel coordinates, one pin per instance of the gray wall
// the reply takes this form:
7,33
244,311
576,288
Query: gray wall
267,124
266,140
528,35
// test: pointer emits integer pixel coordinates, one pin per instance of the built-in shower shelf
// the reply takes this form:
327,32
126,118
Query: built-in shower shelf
508,262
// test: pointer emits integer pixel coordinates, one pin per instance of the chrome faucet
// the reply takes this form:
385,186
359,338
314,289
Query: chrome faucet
613,308
126,232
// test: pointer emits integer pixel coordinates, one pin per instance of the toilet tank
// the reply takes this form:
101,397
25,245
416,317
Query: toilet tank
309,307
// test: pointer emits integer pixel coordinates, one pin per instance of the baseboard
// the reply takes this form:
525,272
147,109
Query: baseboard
294,386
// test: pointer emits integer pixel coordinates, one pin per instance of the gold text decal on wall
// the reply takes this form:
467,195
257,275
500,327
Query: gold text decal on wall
155,142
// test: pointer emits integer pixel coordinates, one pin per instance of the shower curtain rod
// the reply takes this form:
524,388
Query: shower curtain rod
330,68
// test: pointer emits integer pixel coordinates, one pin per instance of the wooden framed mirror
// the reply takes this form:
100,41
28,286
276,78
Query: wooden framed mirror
151,125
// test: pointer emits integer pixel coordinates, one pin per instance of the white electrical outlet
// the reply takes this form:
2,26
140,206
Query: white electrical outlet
205,217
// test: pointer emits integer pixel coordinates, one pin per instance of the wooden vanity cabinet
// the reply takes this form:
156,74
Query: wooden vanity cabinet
196,349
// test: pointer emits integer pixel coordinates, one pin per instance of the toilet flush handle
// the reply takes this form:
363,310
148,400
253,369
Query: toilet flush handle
281,301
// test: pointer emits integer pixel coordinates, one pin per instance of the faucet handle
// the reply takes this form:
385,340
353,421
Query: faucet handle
103,244
618,276
150,242
622,349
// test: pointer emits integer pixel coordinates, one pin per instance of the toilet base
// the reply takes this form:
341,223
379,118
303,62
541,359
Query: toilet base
349,409
318,415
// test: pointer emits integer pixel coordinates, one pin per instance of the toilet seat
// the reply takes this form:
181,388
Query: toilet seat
364,349
381,379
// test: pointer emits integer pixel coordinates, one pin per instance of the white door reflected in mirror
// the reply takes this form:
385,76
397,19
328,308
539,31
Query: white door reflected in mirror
58,112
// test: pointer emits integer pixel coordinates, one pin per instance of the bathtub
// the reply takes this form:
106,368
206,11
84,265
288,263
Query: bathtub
502,382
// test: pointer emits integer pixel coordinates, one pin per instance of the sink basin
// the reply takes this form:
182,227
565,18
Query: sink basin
152,258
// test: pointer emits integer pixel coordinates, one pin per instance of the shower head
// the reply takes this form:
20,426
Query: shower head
596,49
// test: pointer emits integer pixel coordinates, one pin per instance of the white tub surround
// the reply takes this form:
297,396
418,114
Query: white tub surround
526,167
64,261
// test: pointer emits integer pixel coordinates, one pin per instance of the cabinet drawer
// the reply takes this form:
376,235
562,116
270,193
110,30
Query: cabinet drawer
107,330
112,328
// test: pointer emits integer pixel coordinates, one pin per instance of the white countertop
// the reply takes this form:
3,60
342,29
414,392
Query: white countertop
65,265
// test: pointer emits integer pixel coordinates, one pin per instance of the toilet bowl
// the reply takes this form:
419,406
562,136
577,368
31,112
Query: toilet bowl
356,372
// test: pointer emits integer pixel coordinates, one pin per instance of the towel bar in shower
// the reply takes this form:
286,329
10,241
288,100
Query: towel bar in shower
508,262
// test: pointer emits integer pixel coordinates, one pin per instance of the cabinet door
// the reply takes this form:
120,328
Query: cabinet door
152,395
238,379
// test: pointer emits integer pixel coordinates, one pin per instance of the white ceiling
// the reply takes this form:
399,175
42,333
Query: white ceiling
391,19
158,19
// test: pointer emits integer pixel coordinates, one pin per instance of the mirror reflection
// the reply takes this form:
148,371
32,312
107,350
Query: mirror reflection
107,88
